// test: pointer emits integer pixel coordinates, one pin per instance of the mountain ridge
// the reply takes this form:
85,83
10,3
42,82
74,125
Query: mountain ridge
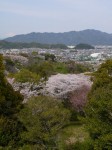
89,36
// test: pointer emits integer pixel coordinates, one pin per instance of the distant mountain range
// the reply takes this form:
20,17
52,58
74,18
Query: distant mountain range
93,37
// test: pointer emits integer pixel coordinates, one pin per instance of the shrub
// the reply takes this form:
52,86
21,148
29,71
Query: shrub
26,76
74,67
43,118
44,69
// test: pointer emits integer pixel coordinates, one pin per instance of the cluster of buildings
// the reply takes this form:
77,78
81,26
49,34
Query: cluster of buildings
97,55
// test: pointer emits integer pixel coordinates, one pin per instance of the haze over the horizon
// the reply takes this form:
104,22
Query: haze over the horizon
25,16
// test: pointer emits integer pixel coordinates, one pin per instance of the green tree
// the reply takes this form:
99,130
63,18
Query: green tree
43,117
50,57
26,76
44,69
74,67
99,108
84,46
10,105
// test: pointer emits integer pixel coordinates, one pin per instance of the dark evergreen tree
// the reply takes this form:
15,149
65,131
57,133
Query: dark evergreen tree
10,105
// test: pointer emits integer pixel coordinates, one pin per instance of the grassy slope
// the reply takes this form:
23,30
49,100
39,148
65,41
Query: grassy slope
72,134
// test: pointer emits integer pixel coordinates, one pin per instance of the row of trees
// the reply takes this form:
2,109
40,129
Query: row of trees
9,45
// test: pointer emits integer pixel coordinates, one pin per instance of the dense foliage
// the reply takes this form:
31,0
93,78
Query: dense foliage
43,118
9,45
48,68
99,108
10,65
10,105
47,123
83,46
24,75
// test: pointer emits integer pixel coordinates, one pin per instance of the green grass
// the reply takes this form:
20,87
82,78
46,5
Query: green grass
60,68
71,135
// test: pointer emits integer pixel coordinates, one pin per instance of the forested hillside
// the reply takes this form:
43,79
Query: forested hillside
74,122
92,37
20,45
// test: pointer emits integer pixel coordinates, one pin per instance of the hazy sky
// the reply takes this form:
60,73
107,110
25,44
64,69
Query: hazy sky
25,16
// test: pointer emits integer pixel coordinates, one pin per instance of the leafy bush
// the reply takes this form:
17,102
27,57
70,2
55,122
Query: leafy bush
60,67
44,69
50,57
10,65
43,118
74,67
9,61
26,76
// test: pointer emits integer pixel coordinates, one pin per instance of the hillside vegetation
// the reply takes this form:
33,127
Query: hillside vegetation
99,108
83,46
48,123
20,45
